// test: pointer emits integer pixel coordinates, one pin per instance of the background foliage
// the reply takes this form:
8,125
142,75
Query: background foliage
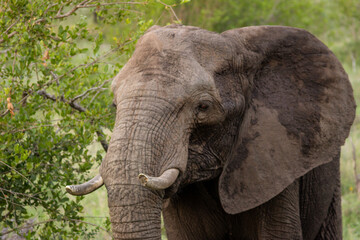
57,60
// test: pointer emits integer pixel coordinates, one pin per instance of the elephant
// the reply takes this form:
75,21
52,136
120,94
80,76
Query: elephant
232,135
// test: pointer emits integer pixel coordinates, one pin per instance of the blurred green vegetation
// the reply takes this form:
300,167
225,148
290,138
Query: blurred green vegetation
50,143
57,61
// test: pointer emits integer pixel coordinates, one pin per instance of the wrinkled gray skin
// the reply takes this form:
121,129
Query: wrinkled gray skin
252,118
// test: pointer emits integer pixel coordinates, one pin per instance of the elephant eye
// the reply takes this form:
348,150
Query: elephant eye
203,106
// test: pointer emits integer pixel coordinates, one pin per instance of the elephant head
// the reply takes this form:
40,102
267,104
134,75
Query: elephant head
255,107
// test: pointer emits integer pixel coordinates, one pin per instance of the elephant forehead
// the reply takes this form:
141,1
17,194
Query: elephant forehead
151,41
178,60
168,71
209,49
166,84
163,40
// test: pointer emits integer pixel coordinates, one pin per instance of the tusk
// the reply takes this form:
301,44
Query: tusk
159,183
87,187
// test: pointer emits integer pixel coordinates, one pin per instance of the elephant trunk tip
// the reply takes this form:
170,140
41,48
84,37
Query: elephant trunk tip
159,183
85,188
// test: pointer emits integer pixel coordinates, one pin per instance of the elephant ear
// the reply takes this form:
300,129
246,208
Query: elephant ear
300,110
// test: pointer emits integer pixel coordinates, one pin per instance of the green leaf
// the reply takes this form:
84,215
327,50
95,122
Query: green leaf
184,1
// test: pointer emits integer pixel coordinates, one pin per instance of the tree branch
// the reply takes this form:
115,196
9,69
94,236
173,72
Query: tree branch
27,129
8,201
171,9
72,10
4,196
52,220
56,79
5,32
90,89
79,108
84,4
102,140
22,194
61,98
4,113
111,4
17,172
47,95
9,36
48,8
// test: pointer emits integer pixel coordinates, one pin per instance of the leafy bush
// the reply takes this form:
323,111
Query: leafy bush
57,62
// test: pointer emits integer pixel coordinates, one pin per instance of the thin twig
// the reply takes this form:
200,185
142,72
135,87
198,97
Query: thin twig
171,9
85,4
61,7
56,78
93,98
22,194
102,140
88,64
48,8
92,224
17,20
110,4
4,113
89,90
7,203
92,217
12,203
27,129
61,98
17,172
79,108
9,36
27,226
72,10
52,220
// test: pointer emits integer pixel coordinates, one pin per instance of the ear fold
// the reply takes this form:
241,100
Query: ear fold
300,109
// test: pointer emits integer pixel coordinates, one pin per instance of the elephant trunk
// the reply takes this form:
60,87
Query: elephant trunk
139,145
135,212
